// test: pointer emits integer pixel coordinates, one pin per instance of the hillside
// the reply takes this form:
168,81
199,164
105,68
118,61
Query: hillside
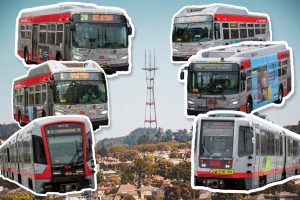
7,130
142,136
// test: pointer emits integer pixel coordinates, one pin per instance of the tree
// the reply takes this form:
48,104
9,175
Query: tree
143,139
172,192
164,168
144,167
182,171
103,152
128,175
129,197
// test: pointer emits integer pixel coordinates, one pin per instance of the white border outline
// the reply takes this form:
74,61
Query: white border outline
224,190
58,193
62,62
233,45
130,37
213,4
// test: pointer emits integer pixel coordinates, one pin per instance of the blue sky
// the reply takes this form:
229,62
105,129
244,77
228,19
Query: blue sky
152,20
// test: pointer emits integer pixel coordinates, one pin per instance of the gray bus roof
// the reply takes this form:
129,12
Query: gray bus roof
69,7
239,52
213,9
56,67
250,118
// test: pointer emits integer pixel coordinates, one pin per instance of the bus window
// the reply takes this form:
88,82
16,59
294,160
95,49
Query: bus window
51,34
280,145
257,29
225,31
243,31
23,31
38,95
42,34
263,28
245,146
217,31
31,96
249,83
59,34
28,32
250,30
234,31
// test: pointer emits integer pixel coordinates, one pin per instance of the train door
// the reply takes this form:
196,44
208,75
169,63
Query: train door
257,157
67,43
35,30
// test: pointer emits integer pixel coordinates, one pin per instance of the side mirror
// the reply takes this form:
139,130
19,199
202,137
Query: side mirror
72,27
181,75
129,29
243,76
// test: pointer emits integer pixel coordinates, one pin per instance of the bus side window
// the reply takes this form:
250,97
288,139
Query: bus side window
217,31
225,31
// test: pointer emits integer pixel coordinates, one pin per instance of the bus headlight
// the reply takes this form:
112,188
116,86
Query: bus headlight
191,102
124,57
103,112
58,113
56,172
78,57
175,50
234,102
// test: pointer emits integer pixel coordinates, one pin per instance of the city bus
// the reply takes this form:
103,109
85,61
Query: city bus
51,154
75,32
196,28
237,151
244,76
62,88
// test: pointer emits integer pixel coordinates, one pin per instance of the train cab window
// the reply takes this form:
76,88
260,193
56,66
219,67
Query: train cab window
39,155
89,151
245,146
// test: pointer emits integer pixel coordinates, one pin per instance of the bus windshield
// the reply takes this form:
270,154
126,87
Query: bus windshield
65,143
95,35
80,92
217,82
216,139
192,32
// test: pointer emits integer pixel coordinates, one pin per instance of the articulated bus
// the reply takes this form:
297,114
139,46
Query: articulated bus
62,88
196,28
76,32
238,151
51,154
244,76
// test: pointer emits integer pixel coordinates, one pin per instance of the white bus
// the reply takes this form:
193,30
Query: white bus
196,28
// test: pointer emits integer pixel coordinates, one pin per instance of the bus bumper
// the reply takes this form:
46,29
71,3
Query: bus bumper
196,111
181,58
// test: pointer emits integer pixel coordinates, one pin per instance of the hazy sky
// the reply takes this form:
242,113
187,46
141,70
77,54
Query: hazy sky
152,20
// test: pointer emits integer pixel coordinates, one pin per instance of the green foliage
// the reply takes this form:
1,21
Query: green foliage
17,196
182,171
143,139
102,151
164,168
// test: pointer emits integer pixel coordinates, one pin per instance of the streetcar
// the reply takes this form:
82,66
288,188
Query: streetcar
238,151
51,154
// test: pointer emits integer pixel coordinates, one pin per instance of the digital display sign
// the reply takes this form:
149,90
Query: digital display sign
217,125
215,66
96,17
63,129
188,19
80,75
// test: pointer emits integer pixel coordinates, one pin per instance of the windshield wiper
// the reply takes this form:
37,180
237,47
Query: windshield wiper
209,153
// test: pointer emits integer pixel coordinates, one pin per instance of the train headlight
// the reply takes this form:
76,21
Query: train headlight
124,57
203,165
227,166
56,172
78,57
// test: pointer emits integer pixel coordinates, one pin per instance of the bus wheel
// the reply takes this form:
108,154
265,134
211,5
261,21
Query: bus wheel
249,105
26,56
280,95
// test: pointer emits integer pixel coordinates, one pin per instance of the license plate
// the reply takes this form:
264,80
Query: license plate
221,171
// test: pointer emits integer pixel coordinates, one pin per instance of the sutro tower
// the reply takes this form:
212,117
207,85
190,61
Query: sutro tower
150,110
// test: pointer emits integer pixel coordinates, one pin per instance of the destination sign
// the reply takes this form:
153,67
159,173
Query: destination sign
63,129
105,18
198,18
215,66
217,125
80,75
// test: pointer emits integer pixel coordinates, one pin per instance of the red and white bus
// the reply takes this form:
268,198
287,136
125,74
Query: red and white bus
62,88
75,32
51,154
196,28
244,76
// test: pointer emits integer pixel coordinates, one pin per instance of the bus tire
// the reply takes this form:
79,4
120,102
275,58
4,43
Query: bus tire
58,56
249,105
26,56
280,95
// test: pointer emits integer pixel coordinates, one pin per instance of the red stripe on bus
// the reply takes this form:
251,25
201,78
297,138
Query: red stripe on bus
60,17
283,54
41,78
240,18
206,174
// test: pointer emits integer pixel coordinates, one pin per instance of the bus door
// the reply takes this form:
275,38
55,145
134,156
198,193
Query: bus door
217,34
67,43
258,157
277,157
35,30
245,89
